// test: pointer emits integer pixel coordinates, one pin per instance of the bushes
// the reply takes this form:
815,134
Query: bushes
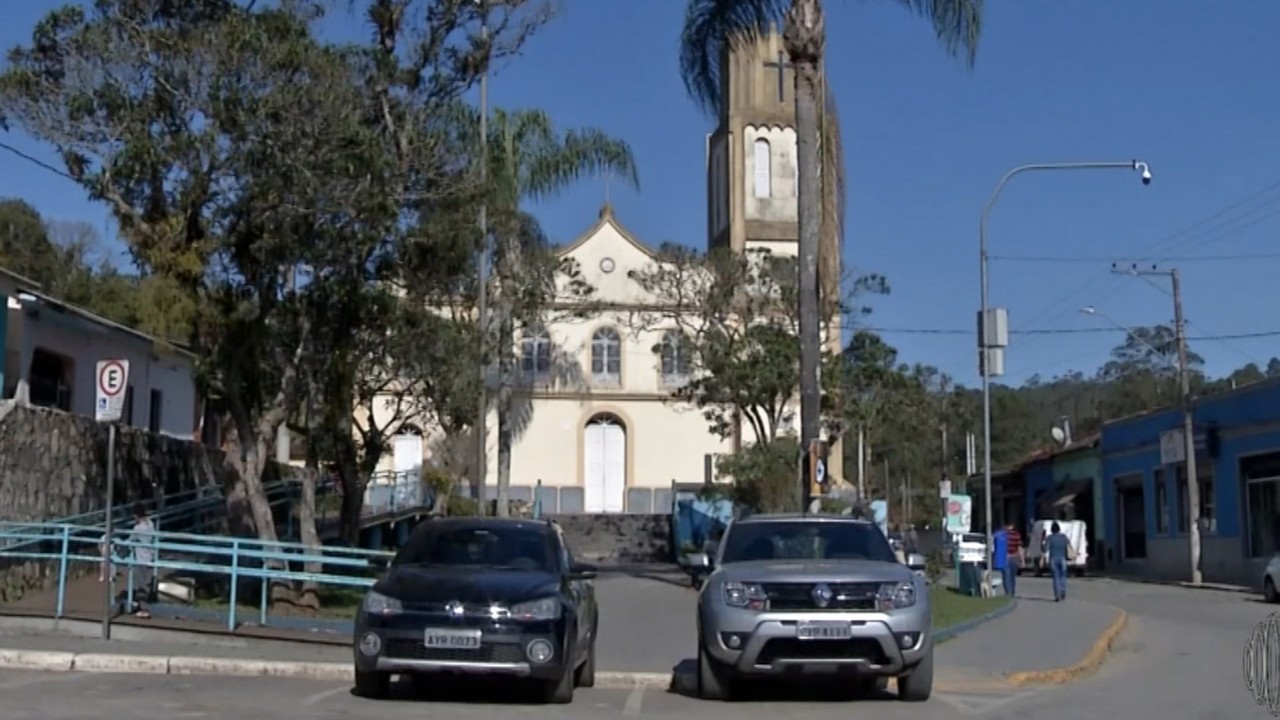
764,476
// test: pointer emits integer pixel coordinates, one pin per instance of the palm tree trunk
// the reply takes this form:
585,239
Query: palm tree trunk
506,341
509,268
804,38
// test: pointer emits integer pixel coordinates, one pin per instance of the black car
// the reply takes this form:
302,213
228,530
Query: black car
481,595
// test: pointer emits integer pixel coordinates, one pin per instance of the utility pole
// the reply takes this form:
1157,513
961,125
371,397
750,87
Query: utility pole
482,290
862,467
1188,415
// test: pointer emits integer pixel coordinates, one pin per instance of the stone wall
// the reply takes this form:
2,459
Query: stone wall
618,539
54,464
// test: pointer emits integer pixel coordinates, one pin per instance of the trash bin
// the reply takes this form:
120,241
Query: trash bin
969,581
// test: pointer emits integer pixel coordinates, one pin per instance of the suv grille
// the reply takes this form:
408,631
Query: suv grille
792,649
402,649
799,596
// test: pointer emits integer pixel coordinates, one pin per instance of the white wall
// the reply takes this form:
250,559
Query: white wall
85,343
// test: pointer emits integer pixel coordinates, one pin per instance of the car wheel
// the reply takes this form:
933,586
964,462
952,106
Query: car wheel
373,685
713,676
560,690
585,676
917,685
1269,590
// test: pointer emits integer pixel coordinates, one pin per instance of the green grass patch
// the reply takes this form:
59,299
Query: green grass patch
336,603
952,608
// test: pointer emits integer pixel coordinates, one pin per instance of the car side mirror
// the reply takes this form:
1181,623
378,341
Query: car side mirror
582,571
916,561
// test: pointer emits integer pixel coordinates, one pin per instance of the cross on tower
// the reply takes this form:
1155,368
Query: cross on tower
781,64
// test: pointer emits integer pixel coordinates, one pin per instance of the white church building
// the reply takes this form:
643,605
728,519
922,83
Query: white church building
596,424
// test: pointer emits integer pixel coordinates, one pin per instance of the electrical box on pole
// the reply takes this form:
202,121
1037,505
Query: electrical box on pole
816,468
993,338
994,333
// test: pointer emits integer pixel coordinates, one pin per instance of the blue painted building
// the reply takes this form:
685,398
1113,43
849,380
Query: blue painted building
1144,498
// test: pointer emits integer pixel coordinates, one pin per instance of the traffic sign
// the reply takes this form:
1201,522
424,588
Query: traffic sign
113,384
959,513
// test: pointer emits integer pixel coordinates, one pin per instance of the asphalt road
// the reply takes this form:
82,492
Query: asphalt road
1180,659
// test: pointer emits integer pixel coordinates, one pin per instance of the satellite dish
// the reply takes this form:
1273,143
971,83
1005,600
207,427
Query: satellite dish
1059,436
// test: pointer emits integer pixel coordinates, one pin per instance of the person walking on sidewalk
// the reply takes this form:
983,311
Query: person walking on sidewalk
1059,550
140,540
1000,557
1008,545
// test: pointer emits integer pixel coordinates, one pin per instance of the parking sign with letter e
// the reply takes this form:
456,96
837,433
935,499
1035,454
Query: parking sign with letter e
112,383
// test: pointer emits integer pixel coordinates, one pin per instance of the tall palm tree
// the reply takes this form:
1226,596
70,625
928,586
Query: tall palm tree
529,160
711,29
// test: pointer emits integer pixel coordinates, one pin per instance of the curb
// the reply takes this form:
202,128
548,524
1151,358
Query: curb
1087,665
1219,587
948,633
108,663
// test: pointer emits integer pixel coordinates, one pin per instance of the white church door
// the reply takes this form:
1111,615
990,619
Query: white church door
406,454
604,455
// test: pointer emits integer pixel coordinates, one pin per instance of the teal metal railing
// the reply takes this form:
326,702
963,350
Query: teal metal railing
238,559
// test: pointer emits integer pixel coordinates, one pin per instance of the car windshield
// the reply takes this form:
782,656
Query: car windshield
514,548
801,540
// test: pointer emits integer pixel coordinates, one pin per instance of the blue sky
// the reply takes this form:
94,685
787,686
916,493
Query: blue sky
1188,86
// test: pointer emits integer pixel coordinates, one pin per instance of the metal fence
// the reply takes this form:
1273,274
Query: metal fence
237,559
570,500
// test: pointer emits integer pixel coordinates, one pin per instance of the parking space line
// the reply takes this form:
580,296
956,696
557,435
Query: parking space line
634,701
317,698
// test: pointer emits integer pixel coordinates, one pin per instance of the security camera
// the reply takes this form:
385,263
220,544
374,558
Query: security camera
1146,171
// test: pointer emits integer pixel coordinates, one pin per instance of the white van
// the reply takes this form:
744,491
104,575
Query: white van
1077,534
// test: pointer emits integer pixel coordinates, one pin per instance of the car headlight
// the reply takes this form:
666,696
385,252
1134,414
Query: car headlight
375,603
547,608
894,596
750,596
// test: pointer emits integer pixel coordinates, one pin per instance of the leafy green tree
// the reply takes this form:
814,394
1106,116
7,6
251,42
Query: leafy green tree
233,148
1143,371
25,245
732,318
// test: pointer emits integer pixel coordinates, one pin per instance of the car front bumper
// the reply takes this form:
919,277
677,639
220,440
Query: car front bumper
767,642
504,650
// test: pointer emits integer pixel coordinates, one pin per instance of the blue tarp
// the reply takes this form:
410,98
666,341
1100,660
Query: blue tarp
696,519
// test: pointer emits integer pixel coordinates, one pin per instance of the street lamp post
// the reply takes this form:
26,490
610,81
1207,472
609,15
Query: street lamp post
482,290
990,325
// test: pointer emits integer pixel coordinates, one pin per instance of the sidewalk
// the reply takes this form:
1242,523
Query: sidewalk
1039,635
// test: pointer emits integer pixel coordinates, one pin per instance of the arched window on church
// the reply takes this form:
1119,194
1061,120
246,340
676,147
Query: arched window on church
535,356
606,357
677,358
763,163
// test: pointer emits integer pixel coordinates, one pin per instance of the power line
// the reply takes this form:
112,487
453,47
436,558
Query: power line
35,160
1061,331
1121,260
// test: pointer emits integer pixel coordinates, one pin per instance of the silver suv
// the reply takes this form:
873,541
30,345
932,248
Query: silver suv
813,593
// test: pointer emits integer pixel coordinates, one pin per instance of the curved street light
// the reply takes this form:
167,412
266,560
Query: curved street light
984,332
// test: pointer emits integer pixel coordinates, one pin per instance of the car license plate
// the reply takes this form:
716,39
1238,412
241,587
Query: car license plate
452,639
819,630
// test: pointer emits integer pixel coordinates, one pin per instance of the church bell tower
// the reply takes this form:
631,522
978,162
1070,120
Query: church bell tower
751,166
752,172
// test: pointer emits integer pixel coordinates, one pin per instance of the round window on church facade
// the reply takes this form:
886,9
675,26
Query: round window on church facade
606,265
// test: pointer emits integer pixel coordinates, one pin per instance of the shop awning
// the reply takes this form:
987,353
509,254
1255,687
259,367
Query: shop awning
1067,494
